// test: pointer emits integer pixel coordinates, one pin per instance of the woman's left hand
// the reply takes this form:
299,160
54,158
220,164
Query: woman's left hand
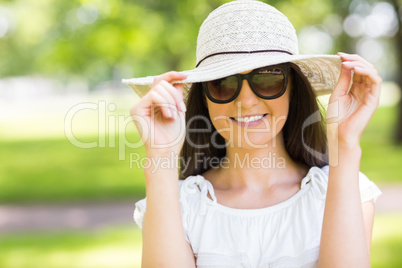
350,111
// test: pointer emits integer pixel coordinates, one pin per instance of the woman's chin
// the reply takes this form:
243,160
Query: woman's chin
252,143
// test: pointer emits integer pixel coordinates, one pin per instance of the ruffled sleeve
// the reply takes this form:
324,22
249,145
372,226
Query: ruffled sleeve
139,211
193,200
141,207
192,197
368,189
319,179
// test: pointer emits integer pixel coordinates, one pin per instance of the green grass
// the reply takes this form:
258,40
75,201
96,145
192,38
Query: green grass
381,159
54,170
387,241
120,247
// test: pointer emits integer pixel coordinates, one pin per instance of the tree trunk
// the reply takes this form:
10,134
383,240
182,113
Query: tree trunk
398,43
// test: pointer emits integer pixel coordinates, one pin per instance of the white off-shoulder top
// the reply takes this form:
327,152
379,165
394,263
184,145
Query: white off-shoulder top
283,235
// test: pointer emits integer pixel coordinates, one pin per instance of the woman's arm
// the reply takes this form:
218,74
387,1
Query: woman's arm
164,243
347,224
368,217
160,120
344,241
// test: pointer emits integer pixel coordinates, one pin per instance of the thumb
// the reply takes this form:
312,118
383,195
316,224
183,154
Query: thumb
343,84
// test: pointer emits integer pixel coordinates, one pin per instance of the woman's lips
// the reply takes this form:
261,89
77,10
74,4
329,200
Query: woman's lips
249,121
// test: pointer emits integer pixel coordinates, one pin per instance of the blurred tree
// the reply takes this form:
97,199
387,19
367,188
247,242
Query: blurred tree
398,44
93,38
344,8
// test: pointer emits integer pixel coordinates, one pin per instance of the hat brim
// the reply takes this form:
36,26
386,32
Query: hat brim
322,71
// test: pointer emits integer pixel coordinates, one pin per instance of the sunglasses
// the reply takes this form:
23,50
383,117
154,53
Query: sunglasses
268,83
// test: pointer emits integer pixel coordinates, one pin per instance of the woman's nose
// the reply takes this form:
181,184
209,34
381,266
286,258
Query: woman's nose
246,97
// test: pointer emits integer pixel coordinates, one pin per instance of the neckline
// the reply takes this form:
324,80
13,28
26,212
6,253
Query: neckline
304,187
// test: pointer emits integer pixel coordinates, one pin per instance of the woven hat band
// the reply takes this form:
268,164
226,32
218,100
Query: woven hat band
243,52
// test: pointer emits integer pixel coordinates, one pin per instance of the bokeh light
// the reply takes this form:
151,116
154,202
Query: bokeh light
354,25
87,14
333,24
6,22
313,40
382,21
370,49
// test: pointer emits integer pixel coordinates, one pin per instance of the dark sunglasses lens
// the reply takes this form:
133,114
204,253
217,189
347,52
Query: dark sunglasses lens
268,82
223,89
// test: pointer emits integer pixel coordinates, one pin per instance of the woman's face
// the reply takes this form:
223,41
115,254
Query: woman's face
249,121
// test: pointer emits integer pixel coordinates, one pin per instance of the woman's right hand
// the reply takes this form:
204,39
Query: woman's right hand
160,115
160,119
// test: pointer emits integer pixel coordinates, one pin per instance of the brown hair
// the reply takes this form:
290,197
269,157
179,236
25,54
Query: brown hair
303,108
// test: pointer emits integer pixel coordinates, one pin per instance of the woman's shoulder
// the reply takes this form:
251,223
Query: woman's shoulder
196,185
318,176
193,191
196,192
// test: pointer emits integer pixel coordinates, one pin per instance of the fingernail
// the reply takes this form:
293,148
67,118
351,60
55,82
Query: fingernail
183,106
169,113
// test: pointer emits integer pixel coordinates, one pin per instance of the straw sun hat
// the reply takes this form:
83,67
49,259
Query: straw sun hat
244,35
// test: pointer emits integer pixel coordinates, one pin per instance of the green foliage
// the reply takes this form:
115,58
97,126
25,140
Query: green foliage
94,38
55,38
151,36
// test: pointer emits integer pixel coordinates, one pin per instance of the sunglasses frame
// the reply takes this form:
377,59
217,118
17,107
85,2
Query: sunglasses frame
285,68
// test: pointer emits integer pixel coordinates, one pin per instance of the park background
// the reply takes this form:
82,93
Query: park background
61,63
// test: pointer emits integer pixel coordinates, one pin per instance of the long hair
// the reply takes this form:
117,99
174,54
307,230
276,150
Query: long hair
305,143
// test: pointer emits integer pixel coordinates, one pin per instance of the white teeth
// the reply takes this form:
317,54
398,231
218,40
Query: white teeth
249,118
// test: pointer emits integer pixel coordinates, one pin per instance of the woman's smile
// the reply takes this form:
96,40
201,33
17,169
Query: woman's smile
249,120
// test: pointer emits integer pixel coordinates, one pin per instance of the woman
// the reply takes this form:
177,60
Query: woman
256,189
